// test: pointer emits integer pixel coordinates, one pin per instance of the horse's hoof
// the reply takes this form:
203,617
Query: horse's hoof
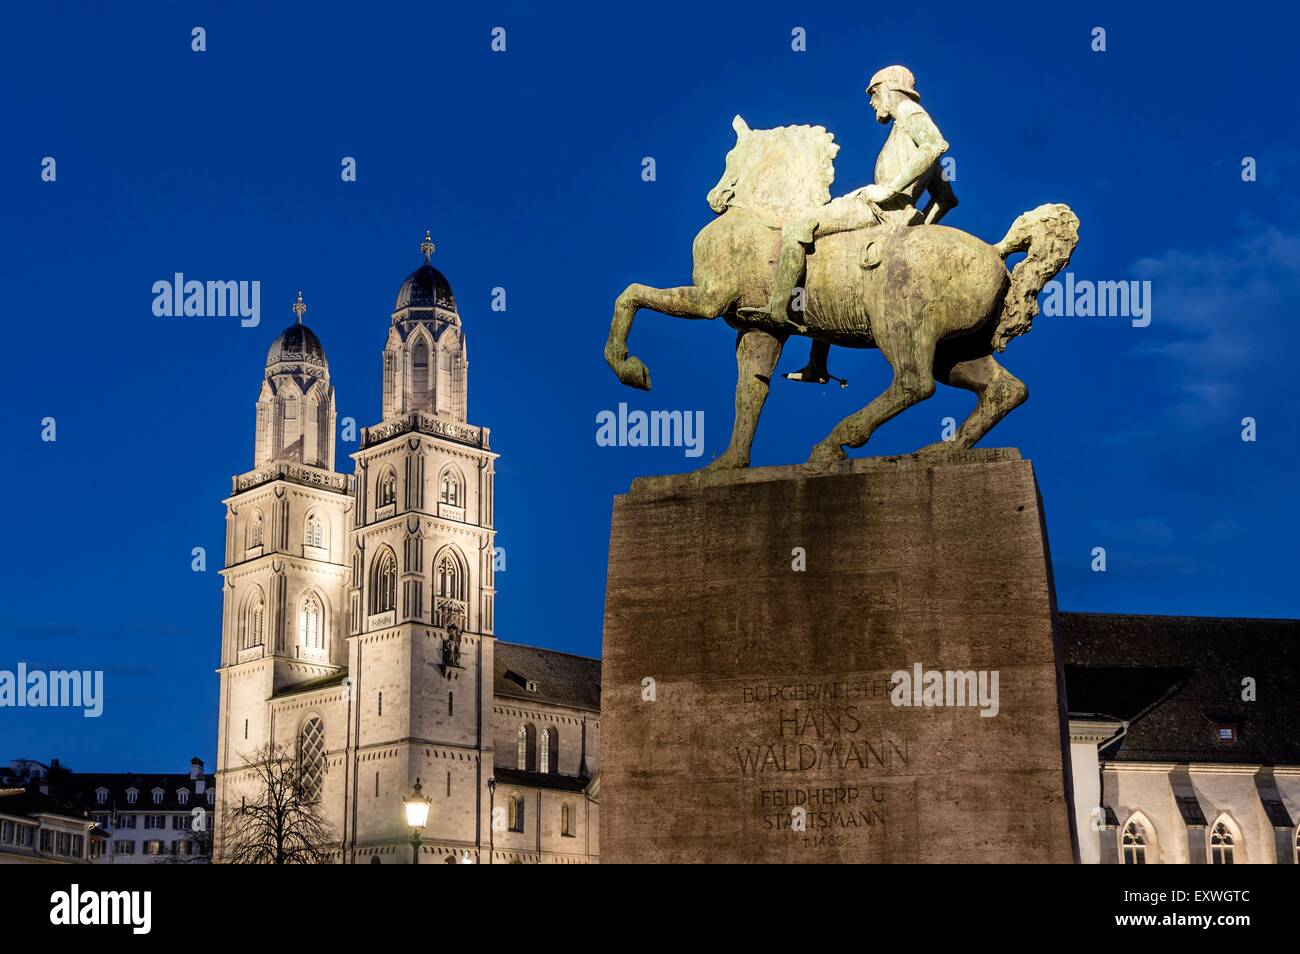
726,462
634,374
827,454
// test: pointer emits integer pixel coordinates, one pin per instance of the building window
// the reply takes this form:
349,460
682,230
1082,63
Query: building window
183,796
6,832
181,847
314,532
101,796
311,758
387,493
24,836
157,794
155,821
450,587
544,752
255,529
153,847
1221,844
526,748
78,843
451,703
381,703
451,490
131,796
126,821
310,630
47,841
566,820
1135,844
123,847
383,584
420,374
181,822
212,796
516,811
254,633
1225,733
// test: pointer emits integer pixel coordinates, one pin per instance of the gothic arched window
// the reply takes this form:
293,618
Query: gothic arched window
526,747
311,619
254,632
420,374
544,751
1135,843
451,490
383,583
387,488
1222,843
255,529
449,587
314,531
311,758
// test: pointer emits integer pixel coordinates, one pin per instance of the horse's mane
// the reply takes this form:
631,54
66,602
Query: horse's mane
782,171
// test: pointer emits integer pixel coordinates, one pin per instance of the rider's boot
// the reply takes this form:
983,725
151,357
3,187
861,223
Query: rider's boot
789,271
815,371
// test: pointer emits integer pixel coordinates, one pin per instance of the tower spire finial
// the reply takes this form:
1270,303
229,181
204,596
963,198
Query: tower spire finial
427,247
298,307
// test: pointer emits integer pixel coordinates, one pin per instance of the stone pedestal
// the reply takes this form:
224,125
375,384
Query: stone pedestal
753,624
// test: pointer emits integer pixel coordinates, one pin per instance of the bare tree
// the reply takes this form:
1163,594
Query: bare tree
278,820
198,850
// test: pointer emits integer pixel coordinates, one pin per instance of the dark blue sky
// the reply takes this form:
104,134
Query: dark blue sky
526,165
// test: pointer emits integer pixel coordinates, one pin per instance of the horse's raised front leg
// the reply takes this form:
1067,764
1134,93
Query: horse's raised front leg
686,301
756,356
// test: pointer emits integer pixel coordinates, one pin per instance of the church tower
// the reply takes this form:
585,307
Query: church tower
422,592
359,634
284,620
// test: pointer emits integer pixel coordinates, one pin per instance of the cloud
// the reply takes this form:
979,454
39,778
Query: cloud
1218,315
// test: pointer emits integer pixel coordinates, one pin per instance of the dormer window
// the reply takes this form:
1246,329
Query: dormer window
183,796
131,795
101,796
157,794
1225,733
212,796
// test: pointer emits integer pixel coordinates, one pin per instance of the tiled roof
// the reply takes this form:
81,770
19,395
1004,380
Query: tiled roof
561,678
80,788
1176,677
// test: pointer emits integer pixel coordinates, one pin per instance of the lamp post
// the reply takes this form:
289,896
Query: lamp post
417,814
492,817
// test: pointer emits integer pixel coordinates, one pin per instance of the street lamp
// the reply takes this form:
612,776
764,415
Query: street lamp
417,814
492,814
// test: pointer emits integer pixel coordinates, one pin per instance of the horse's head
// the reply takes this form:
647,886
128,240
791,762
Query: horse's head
781,171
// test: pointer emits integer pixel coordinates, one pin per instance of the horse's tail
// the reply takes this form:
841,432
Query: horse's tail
1049,234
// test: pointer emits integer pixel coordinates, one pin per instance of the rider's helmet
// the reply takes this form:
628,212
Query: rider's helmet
898,78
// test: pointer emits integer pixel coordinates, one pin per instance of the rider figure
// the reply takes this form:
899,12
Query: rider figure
906,168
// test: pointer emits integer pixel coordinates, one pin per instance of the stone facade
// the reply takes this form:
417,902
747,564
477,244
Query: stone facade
359,617
1185,738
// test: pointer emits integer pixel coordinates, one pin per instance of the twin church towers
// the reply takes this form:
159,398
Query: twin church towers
358,631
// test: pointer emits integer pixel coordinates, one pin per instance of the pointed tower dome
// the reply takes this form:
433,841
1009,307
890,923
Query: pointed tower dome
425,360
295,409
